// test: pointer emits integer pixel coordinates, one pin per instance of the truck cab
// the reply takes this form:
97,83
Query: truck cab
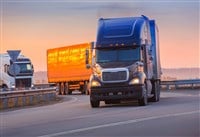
125,61
16,73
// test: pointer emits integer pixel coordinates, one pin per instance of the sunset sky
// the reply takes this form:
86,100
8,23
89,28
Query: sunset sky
33,26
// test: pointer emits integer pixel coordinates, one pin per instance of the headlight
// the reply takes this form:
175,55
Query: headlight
95,83
134,81
12,85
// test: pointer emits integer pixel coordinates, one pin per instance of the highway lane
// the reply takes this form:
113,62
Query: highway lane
177,114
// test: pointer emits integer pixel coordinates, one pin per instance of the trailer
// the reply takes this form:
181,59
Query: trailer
66,67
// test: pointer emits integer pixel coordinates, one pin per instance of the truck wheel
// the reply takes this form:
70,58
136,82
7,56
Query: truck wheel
156,92
144,100
59,89
158,89
69,92
82,89
4,87
65,89
94,103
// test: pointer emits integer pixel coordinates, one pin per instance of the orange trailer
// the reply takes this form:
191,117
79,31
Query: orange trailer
67,68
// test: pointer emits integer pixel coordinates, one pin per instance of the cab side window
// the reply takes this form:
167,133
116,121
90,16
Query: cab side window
6,68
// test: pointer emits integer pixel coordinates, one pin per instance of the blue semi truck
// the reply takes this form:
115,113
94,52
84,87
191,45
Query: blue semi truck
125,61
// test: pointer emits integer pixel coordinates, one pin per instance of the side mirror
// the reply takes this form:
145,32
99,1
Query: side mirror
32,68
87,59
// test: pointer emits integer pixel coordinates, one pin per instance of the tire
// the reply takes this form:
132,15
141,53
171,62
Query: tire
65,89
82,90
144,100
156,92
94,103
59,89
69,92
4,87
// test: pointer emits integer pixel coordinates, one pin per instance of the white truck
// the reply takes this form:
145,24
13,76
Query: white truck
16,70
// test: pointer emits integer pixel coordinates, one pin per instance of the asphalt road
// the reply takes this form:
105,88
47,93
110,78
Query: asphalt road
177,114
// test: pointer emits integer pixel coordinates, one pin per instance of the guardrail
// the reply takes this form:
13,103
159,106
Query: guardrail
173,84
190,83
9,99
47,85
47,92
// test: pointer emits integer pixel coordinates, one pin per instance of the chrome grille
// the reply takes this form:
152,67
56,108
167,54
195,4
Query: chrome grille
114,75
23,83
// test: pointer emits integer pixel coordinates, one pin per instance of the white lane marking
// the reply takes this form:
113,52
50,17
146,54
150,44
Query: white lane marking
118,123
70,100
106,113
74,99
171,94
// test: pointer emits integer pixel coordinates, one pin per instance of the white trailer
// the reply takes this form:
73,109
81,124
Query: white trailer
16,71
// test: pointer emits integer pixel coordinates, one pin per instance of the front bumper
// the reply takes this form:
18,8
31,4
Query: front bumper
117,93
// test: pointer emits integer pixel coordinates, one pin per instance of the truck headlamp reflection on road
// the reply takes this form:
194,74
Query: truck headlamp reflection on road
95,83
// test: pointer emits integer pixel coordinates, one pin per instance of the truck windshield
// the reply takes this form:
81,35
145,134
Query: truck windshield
25,67
117,55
